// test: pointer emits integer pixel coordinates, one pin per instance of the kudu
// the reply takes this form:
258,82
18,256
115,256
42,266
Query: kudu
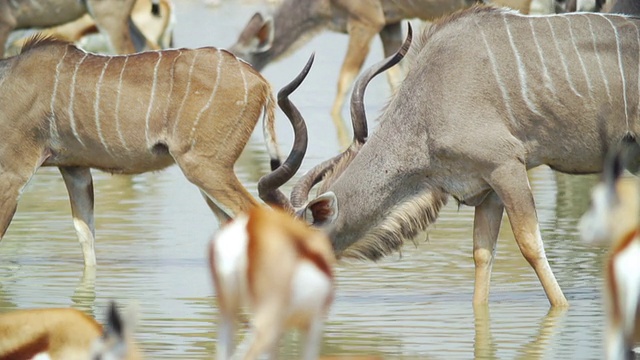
157,28
265,39
614,219
111,17
479,107
128,114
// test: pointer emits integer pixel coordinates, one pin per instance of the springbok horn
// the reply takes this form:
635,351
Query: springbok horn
268,185
300,192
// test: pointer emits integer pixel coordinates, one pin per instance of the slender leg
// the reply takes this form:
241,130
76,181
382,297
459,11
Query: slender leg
7,24
219,182
113,19
511,184
266,334
11,185
313,339
80,187
226,330
391,36
486,226
360,36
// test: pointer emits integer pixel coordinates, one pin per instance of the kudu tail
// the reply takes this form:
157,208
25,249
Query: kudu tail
269,131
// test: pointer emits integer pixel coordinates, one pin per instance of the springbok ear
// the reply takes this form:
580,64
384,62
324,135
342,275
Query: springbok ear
115,323
257,36
322,210
613,168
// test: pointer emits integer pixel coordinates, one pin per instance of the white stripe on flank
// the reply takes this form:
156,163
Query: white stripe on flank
72,96
524,89
545,71
151,98
595,50
170,92
562,59
96,107
211,97
575,47
117,110
186,92
621,68
501,85
53,128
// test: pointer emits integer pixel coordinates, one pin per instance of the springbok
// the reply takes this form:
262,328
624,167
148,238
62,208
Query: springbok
112,17
266,39
274,264
128,114
614,218
479,107
157,28
117,340
60,334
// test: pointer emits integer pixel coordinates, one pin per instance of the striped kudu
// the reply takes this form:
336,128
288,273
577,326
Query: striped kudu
129,115
614,219
111,16
490,94
264,40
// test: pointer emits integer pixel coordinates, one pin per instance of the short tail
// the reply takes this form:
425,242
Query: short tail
269,131
155,8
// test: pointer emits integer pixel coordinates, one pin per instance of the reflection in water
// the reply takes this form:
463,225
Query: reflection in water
152,230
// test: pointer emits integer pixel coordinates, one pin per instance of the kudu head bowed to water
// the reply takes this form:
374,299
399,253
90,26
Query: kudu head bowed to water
268,185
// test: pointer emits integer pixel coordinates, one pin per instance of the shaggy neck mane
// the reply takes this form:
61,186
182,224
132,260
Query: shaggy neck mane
39,40
405,221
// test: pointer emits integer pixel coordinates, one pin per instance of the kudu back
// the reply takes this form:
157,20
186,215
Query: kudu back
130,114
490,94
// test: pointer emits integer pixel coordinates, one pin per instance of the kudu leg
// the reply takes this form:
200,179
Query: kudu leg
80,187
486,226
360,36
11,185
7,24
112,18
392,39
511,184
219,183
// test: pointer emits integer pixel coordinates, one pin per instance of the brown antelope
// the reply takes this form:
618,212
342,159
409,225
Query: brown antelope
264,40
157,29
274,264
112,17
480,106
129,115
59,334
614,218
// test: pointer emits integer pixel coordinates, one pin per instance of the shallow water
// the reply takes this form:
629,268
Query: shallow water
152,230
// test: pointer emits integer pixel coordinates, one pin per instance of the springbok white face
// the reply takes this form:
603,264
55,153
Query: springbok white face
614,210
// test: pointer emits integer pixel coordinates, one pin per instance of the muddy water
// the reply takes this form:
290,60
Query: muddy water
152,231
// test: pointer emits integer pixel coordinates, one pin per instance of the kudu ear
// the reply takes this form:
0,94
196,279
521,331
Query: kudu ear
322,210
613,167
257,36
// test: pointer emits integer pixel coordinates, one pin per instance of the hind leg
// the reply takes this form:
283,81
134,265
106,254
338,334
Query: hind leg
218,182
511,184
486,225
80,187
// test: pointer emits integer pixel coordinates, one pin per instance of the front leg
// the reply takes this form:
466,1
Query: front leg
113,18
80,187
7,24
486,226
511,183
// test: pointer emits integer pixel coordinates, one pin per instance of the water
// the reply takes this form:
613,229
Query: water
152,231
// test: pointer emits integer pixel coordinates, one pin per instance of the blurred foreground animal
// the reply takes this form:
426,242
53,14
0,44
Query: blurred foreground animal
505,72
129,114
111,16
266,39
614,218
280,269
273,264
156,28
64,334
